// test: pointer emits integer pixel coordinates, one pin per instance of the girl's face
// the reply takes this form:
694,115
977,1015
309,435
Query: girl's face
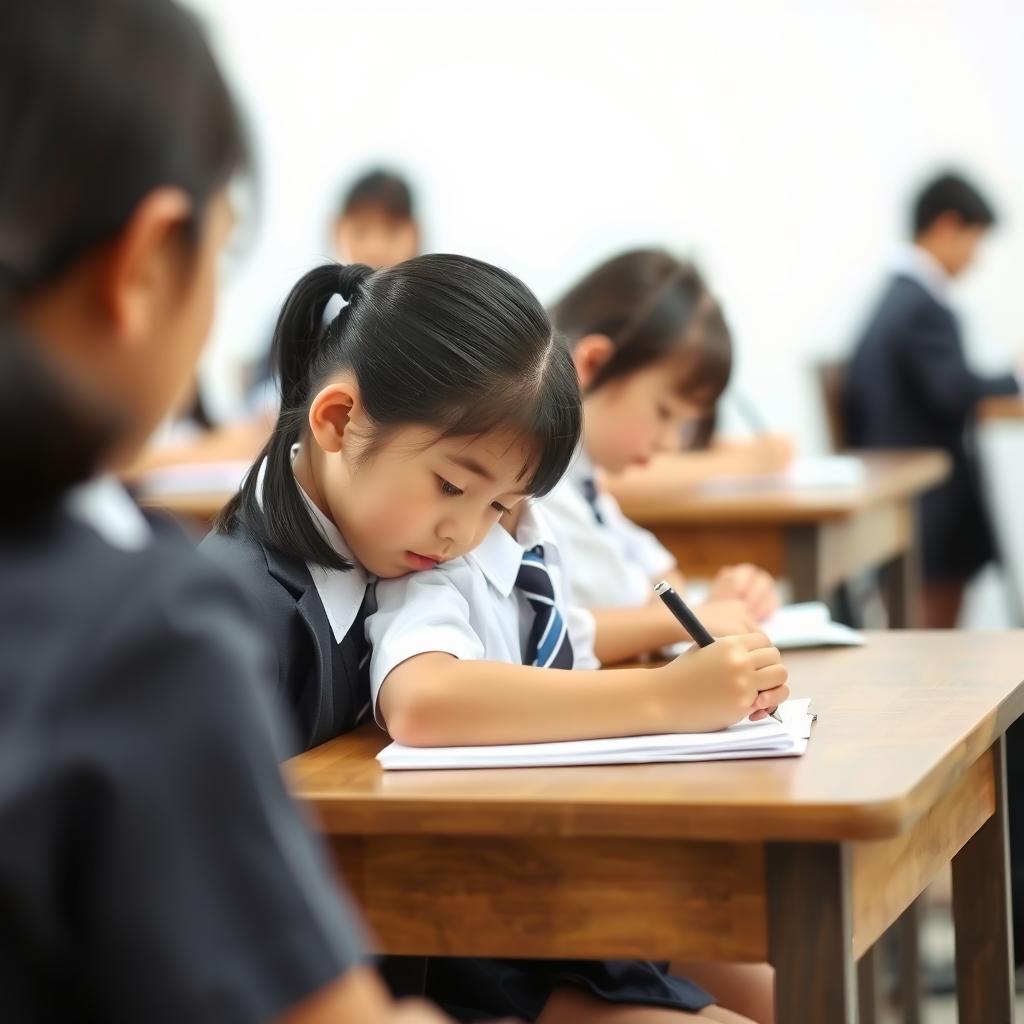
419,499
132,318
631,419
162,371
375,237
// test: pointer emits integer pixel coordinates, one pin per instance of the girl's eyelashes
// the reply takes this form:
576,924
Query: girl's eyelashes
449,488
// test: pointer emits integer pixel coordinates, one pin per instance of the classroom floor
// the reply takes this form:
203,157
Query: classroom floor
942,1010
937,949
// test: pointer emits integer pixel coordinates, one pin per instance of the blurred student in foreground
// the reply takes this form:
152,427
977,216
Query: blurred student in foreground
153,867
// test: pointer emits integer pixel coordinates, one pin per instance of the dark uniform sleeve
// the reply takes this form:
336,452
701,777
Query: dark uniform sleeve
934,358
196,890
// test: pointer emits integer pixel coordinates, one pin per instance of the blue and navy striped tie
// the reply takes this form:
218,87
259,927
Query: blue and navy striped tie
589,489
548,644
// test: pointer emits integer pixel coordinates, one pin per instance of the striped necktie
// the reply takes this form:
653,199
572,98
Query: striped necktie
548,645
589,489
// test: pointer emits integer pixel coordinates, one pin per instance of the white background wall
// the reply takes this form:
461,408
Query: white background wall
776,142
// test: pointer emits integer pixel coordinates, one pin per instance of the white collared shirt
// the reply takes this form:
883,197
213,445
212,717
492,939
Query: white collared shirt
469,607
104,505
615,563
914,262
341,593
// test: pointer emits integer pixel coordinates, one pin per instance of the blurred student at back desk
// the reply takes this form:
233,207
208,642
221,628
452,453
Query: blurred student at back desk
909,386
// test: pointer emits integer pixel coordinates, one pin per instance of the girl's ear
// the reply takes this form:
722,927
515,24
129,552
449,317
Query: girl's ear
141,264
590,355
334,411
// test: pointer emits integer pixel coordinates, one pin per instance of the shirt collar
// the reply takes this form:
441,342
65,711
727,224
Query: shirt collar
914,262
341,591
500,554
104,505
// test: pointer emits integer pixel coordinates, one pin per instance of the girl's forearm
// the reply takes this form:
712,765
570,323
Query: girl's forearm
438,700
625,634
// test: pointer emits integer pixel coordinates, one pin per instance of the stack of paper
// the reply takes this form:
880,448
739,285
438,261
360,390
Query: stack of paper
746,739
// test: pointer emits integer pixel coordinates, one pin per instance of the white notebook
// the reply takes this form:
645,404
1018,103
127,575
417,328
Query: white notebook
807,473
825,471
809,625
798,625
193,478
746,739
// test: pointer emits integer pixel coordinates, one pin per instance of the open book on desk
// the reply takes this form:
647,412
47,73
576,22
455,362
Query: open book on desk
746,739
796,626
807,473
809,625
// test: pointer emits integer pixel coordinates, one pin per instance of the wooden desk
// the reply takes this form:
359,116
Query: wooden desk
803,862
198,508
816,538
1003,407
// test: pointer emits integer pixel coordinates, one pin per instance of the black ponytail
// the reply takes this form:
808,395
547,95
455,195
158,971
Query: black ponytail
101,101
56,430
299,334
440,341
300,328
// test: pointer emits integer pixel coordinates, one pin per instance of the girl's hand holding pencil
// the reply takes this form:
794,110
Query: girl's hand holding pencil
713,687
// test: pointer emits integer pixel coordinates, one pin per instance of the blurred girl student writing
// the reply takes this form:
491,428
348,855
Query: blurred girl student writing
653,353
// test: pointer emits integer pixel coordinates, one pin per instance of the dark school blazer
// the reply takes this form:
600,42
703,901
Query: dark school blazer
909,386
318,678
153,866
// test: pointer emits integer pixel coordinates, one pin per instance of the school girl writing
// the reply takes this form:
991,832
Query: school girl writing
653,353
424,413
469,649
430,407
152,866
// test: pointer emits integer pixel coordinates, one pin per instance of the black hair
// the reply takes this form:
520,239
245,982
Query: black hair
441,341
382,190
56,429
950,193
101,101
651,306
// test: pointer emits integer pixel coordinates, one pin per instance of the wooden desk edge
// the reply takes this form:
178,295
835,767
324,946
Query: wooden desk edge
735,509
375,813
424,814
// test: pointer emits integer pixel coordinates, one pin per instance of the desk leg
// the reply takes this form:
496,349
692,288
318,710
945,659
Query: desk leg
803,562
867,986
809,933
900,583
981,914
908,936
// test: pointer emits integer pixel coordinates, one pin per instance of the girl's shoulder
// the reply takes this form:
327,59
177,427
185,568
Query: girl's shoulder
455,574
71,593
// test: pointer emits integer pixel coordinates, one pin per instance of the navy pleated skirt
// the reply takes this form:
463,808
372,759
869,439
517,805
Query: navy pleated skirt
477,989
